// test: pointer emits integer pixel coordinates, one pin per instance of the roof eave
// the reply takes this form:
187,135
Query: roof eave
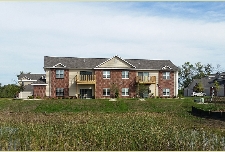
39,84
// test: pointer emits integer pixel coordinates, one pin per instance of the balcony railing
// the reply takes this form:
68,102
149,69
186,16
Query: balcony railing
146,79
85,79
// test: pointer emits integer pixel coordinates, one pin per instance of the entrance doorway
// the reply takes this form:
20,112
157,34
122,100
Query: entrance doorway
86,93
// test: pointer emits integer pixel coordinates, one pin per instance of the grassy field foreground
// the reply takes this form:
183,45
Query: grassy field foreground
154,124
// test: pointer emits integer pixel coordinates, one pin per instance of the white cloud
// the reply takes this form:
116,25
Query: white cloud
29,31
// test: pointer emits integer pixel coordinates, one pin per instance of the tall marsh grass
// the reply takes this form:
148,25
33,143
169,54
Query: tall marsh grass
125,125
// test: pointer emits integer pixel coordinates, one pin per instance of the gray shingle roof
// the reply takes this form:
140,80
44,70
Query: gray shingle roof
91,63
28,88
40,81
151,64
39,77
206,82
31,76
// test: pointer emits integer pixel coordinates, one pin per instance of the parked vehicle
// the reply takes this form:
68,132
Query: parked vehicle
198,94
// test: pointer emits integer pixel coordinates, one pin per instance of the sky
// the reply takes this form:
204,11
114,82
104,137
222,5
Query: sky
177,31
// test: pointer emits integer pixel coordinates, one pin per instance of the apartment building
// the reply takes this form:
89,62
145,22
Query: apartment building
107,77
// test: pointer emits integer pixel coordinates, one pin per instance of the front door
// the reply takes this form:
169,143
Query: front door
86,93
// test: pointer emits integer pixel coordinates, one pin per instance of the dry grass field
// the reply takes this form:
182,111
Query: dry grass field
66,124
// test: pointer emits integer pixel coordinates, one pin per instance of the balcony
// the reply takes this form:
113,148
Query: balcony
85,79
146,79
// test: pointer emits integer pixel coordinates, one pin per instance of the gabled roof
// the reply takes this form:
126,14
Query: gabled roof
73,62
38,79
59,65
152,64
30,76
166,68
115,57
39,82
207,81
92,63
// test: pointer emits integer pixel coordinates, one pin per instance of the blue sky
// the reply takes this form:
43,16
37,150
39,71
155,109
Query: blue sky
177,31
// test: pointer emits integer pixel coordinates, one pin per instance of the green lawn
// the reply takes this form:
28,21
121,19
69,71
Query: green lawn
66,124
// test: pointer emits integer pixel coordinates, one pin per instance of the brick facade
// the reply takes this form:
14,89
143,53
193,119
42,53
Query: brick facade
166,83
59,83
39,91
115,78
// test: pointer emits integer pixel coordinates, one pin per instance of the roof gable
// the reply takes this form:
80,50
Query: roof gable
59,65
100,63
115,62
30,77
166,67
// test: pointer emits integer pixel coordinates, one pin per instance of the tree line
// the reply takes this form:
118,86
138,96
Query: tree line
12,90
9,91
188,72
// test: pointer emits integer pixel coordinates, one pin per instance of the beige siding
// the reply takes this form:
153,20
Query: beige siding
27,82
155,73
25,94
115,63
72,83
176,83
48,81
153,87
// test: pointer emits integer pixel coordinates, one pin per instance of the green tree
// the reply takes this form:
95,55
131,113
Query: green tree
217,87
188,72
208,69
142,89
9,91
22,72
198,87
114,91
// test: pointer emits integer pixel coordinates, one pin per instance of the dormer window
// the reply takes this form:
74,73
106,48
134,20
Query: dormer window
59,73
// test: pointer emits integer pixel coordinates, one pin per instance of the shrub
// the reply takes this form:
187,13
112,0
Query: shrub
30,97
38,97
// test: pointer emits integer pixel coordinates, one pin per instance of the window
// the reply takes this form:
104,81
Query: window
125,91
166,92
166,75
125,74
85,73
106,92
59,73
59,91
106,74
141,74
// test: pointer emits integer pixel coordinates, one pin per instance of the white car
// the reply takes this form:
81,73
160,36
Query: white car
198,94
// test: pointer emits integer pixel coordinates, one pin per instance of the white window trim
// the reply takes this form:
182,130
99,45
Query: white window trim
60,90
59,74
166,75
126,74
166,90
107,89
107,74
126,90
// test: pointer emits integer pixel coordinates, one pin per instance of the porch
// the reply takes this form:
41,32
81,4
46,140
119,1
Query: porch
85,79
85,86
146,79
